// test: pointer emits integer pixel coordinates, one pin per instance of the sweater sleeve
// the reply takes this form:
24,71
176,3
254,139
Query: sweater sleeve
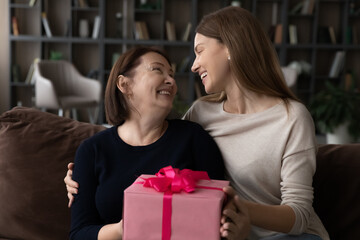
85,220
298,168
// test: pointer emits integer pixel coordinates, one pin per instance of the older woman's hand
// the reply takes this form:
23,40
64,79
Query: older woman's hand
71,186
235,222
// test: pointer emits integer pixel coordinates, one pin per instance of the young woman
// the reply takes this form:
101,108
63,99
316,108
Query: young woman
138,97
265,134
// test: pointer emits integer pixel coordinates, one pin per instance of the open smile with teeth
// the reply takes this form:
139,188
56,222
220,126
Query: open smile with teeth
164,92
203,75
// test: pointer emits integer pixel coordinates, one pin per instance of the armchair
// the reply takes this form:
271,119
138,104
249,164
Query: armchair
59,86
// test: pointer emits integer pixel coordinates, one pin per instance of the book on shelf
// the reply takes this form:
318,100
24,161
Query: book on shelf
293,34
138,31
144,30
170,31
296,9
308,7
16,73
323,34
67,28
30,74
349,36
32,3
46,24
305,6
83,28
272,28
83,3
141,31
337,64
332,34
274,13
278,34
15,26
186,34
311,7
30,79
96,28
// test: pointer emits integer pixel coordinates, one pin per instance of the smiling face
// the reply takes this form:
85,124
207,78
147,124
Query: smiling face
151,87
211,63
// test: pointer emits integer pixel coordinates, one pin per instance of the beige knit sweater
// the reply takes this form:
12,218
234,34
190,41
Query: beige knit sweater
270,157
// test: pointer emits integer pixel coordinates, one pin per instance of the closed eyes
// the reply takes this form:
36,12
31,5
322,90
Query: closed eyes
160,71
156,69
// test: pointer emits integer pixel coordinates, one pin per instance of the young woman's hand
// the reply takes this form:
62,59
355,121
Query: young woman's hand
112,231
71,186
235,222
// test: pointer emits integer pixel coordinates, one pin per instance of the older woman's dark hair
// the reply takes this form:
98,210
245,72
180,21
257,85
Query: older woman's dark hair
117,108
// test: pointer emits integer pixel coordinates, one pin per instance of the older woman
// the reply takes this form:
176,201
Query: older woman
139,96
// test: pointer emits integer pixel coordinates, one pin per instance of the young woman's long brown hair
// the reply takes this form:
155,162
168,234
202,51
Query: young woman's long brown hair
254,61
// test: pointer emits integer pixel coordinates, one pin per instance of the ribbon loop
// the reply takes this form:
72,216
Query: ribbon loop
175,180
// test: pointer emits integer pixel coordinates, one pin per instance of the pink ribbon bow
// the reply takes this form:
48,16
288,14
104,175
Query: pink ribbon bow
175,180
172,180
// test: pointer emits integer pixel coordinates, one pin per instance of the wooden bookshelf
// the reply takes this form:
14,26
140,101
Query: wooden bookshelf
116,34
319,54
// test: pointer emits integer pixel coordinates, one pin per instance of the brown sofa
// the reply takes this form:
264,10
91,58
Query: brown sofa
35,148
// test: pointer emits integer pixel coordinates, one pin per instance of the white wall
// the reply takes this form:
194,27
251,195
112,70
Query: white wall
4,57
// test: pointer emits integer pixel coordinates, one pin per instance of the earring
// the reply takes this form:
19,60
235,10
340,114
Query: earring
229,57
129,96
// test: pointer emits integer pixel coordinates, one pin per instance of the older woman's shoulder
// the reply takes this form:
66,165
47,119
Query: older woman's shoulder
183,124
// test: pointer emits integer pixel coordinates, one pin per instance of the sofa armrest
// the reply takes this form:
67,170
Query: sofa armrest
35,148
337,190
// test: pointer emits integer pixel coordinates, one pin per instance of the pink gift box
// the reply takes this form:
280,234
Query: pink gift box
194,215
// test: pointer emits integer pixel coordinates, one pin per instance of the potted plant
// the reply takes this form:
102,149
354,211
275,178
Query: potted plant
336,112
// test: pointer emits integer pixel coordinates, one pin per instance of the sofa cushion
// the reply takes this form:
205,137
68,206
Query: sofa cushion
35,148
337,190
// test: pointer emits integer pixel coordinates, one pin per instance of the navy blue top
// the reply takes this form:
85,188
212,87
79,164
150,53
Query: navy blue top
105,166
